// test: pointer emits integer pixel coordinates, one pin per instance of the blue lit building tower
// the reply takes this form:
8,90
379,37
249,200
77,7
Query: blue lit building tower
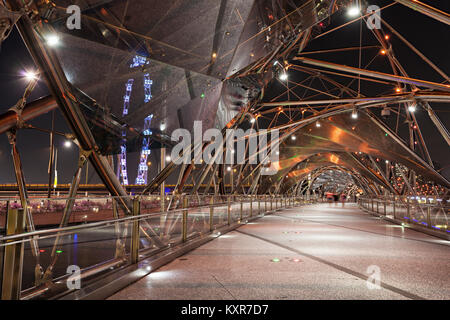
141,178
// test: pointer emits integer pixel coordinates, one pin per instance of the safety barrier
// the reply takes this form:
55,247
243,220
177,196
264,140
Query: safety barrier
421,213
53,262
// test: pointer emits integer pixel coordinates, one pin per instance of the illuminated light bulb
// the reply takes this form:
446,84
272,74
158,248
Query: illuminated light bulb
318,124
383,51
30,75
67,144
283,76
214,55
252,120
354,114
228,168
293,137
386,37
398,89
168,158
412,108
52,40
353,11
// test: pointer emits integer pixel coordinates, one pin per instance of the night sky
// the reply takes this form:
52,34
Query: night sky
429,36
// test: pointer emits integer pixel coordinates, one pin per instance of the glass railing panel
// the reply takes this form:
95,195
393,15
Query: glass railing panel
219,218
439,217
151,204
235,212
197,221
82,248
161,230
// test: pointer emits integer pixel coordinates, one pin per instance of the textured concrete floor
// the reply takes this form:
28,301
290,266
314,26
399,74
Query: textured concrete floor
325,251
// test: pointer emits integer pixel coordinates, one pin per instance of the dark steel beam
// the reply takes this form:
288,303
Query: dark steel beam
421,7
374,74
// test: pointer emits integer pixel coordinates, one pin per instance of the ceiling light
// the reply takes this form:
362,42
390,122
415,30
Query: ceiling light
353,11
283,76
52,40
30,75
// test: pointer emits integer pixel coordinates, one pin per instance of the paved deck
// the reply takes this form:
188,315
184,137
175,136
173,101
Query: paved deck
324,251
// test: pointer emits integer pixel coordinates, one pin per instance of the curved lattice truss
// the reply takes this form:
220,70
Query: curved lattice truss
234,65
252,65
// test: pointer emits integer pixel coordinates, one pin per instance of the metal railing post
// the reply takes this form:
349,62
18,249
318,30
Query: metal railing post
408,210
241,208
251,206
271,203
229,211
185,217
259,204
13,256
211,214
135,236
393,207
428,215
385,205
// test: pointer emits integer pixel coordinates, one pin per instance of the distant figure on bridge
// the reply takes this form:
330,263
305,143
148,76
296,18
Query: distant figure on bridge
335,198
343,198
